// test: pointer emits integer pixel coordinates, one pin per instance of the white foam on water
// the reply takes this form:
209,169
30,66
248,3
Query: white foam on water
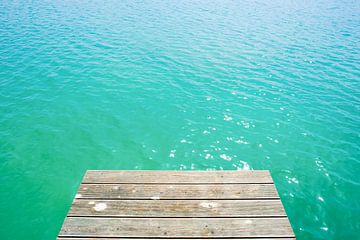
172,153
225,157
227,118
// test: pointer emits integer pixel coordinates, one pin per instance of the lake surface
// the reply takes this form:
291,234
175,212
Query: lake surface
180,85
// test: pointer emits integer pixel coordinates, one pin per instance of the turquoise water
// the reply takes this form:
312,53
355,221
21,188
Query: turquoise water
180,85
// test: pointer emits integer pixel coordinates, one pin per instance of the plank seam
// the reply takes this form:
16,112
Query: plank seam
114,216
176,183
177,199
101,237
180,237
225,237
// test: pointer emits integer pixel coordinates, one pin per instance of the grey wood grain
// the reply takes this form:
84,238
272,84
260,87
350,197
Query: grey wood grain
177,191
176,205
179,228
117,176
177,208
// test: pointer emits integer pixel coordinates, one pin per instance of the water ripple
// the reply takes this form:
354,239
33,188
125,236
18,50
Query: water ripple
182,85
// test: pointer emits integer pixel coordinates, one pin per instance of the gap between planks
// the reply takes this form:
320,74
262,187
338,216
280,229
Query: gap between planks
127,238
230,238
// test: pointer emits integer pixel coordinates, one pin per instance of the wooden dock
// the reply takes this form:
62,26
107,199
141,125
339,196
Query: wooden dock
177,205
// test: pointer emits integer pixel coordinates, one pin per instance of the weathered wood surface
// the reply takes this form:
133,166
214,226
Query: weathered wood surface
178,191
70,238
176,205
166,177
179,227
178,208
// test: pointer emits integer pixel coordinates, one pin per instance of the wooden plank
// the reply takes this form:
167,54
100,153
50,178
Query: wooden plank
192,177
176,205
177,208
66,238
179,228
177,191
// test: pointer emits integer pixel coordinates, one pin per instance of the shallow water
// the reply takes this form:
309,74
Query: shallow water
187,85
